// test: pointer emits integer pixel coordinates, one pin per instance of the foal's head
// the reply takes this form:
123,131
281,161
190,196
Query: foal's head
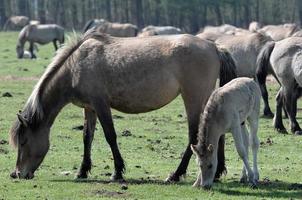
32,142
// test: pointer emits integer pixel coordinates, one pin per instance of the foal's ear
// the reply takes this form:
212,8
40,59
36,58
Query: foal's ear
210,148
22,119
194,149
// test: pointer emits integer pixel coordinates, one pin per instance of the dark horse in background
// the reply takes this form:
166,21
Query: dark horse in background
41,34
132,75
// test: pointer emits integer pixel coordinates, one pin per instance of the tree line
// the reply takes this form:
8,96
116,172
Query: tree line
189,15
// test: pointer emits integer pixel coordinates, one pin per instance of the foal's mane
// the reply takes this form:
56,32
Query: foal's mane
33,109
209,113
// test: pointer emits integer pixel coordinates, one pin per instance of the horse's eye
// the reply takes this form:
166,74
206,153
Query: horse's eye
210,166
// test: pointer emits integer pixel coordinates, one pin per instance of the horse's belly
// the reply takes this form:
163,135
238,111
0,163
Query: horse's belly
144,97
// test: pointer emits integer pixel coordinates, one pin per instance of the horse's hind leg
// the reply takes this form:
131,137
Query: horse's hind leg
88,133
290,99
104,115
266,110
193,113
55,44
278,124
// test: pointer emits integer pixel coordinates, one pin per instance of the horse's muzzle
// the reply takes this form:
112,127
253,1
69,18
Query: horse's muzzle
16,174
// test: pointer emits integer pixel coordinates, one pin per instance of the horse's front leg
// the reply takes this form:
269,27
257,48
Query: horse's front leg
88,133
55,44
32,50
105,118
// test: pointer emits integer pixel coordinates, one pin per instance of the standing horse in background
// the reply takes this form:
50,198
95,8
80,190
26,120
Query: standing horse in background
245,49
113,29
279,32
285,58
159,30
132,75
41,34
228,108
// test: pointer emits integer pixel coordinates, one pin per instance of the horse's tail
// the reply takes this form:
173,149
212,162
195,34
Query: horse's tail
263,63
88,25
227,66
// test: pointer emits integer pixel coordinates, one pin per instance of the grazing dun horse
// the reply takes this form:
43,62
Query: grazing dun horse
285,58
41,34
132,75
228,109
244,49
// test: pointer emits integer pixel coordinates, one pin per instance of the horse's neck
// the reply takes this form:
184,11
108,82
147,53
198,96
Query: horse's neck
55,97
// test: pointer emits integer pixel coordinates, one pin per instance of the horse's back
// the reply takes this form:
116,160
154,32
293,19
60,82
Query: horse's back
142,74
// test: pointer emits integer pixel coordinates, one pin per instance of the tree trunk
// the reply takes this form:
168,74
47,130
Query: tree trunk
218,12
246,13
139,13
41,11
108,10
3,18
299,6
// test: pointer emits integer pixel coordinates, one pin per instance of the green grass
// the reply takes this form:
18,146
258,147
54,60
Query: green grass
151,152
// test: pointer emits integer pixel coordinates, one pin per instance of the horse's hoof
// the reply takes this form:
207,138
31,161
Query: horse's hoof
281,130
253,185
82,176
298,132
172,178
117,178
268,115
243,179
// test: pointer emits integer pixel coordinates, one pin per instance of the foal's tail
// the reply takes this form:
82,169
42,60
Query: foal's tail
263,63
227,66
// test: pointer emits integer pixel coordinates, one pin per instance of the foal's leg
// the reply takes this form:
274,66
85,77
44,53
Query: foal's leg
104,115
253,121
239,143
88,133
55,44
278,124
245,139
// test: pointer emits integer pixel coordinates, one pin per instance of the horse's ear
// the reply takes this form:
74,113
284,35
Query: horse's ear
22,119
194,149
210,148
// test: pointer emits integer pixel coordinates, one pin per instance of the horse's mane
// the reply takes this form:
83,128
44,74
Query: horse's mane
33,110
209,113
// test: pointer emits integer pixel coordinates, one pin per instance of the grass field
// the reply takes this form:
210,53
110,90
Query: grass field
151,152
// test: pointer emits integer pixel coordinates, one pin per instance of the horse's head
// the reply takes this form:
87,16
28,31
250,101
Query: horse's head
32,143
20,51
207,161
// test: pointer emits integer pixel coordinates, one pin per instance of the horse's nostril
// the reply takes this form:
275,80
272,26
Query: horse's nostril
13,175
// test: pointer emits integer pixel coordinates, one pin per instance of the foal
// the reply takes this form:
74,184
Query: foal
226,111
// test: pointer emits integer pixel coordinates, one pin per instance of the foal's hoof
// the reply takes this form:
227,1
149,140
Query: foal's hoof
172,178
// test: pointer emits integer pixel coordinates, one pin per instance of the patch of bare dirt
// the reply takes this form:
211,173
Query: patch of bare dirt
106,193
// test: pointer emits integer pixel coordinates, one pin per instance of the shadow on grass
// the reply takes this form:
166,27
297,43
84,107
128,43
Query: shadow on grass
275,189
